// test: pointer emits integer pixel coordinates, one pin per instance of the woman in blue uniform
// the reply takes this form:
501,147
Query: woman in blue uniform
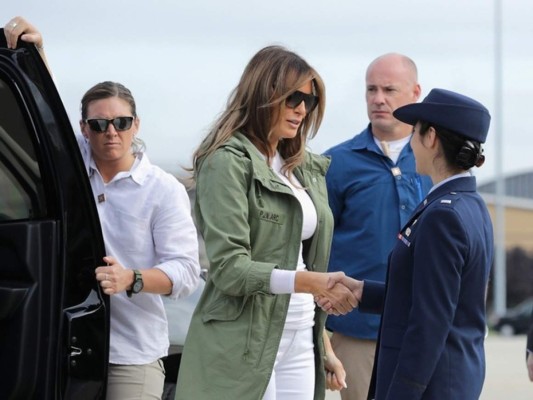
433,304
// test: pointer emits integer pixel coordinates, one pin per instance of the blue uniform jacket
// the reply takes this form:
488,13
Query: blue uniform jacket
433,322
371,199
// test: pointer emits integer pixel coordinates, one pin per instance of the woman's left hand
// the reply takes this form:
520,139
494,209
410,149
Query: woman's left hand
19,27
335,373
113,277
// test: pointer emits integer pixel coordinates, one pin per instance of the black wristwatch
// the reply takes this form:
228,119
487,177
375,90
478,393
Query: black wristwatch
137,284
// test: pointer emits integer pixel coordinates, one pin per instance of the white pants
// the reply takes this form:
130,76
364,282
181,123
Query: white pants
293,377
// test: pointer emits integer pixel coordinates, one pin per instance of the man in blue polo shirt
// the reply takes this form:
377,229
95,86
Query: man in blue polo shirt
373,188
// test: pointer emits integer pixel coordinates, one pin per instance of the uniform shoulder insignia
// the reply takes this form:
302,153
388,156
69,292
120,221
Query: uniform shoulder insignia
445,201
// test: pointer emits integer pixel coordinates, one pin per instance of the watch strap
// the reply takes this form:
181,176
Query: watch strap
137,277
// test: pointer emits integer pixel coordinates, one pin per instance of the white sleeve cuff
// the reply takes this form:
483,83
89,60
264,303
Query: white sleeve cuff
282,281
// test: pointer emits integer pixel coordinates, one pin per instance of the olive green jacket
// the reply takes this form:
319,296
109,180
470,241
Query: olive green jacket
251,223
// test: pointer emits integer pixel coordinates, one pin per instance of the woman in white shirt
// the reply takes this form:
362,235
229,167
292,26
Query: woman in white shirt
149,236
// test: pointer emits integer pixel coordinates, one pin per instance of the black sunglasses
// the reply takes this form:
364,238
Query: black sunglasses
295,99
100,125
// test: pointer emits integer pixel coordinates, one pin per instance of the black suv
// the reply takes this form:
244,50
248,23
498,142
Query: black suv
54,320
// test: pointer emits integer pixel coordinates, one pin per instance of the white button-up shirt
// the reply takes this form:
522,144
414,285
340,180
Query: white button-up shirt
146,222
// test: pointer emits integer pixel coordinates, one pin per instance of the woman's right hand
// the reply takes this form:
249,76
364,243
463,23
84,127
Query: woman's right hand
328,288
18,26
338,280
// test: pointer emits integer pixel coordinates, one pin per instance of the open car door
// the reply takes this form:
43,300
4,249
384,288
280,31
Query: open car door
54,319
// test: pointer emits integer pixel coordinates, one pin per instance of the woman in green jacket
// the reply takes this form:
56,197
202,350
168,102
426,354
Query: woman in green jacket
261,205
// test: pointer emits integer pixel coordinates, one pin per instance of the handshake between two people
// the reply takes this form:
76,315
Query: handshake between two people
334,292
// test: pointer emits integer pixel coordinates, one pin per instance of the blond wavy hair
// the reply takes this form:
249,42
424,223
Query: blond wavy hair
254,106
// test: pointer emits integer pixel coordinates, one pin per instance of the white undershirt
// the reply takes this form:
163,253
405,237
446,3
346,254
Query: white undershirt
301,307
393,148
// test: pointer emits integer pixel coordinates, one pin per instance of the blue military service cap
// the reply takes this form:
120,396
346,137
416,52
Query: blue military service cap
449,110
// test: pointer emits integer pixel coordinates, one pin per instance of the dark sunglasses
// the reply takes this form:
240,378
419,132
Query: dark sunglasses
295,99
100,125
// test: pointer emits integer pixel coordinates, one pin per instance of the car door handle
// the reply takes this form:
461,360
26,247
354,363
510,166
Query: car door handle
75,351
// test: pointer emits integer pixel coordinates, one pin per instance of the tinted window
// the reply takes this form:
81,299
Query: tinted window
20,179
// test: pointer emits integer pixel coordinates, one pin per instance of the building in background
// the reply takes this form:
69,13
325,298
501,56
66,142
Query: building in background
518,212
518,209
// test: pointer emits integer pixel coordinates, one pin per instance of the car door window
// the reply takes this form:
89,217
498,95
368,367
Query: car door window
20,178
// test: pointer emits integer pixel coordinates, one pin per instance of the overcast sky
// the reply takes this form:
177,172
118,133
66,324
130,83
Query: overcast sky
181,59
